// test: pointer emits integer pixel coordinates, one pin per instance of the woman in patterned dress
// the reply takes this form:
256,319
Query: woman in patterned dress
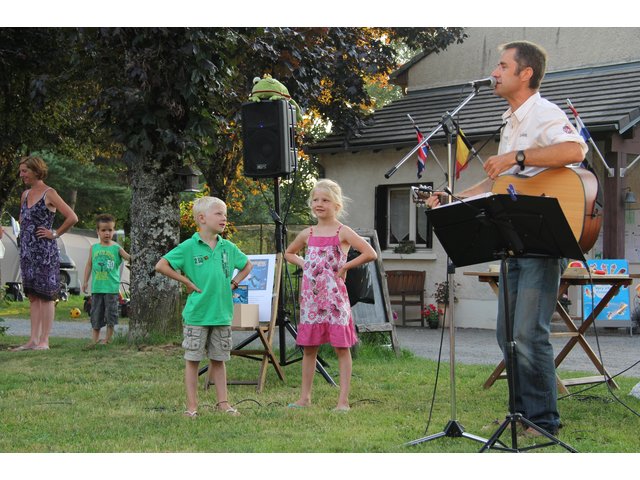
325,312
39,254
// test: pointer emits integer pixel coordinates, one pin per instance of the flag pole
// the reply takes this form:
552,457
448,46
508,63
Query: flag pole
623,170
582,126
429,149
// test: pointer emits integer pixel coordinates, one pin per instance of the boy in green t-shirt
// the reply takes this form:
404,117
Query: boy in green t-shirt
205,264
104,262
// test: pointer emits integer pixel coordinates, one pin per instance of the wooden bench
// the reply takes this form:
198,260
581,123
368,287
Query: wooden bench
409,286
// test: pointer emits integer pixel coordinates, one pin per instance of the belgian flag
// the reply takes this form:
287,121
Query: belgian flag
463,149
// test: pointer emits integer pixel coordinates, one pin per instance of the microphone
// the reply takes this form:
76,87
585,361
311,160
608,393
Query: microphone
484,82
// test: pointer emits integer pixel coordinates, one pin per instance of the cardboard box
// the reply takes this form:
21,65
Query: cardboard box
245,315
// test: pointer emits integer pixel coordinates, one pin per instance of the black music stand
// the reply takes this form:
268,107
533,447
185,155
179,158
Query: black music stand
496,226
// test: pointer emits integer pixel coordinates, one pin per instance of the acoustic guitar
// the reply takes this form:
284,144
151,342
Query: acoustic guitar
576,190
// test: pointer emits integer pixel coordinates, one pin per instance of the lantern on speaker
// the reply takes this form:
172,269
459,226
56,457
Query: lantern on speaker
188,176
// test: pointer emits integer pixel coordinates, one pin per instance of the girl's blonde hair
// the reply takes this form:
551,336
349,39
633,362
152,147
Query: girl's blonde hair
335,194
202,204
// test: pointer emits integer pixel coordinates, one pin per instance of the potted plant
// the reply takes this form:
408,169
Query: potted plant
405,246
430,315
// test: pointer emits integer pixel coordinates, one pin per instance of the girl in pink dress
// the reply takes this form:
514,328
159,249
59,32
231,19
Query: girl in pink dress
325,313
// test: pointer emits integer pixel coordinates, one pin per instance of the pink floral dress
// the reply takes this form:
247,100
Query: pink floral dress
325,312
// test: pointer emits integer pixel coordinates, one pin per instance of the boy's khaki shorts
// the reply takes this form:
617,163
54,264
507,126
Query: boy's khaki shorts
213,342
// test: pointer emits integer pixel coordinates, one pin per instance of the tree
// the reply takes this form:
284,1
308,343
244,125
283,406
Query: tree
172,96
159,96
42,111
31,61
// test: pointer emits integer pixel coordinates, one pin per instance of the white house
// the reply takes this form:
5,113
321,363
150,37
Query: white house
598,69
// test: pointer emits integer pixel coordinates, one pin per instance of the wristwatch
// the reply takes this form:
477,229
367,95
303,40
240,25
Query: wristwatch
54,234
520,158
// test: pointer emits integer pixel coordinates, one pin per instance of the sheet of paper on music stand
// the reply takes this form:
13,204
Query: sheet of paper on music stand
469,199
260,284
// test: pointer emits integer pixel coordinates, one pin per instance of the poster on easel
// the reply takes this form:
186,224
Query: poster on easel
259,284
617,312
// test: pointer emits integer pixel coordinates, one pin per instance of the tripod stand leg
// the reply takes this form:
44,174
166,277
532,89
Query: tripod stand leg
554,440
513,418
452,429
512,421
495,438
320,363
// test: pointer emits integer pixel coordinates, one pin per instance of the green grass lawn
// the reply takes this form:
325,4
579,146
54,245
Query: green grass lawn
124,398
10,309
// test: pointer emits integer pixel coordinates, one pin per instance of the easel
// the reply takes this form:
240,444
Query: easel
499,226
371,316
265,334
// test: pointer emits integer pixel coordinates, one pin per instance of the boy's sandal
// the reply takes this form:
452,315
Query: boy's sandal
193,414
230,410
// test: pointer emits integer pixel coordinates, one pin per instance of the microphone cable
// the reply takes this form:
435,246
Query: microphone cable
435,383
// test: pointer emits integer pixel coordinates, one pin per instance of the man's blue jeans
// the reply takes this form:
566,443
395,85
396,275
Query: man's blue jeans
532,284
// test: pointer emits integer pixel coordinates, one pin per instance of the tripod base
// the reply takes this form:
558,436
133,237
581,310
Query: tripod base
453,429
320,363
512,420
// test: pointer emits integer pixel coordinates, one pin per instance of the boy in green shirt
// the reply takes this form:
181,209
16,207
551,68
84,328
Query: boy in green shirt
104,262
205,264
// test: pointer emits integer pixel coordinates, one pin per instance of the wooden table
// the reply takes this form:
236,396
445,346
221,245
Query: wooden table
575,334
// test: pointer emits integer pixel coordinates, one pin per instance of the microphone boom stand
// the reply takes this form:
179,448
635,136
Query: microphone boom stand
432,133
453,427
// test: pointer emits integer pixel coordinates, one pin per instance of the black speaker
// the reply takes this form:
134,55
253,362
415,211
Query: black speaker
268,138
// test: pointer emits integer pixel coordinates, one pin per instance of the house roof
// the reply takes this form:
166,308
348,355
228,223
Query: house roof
607,99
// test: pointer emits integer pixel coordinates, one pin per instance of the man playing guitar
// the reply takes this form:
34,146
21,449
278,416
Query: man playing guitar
537,136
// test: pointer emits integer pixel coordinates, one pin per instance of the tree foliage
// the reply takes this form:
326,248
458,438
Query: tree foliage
29,73
160,98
